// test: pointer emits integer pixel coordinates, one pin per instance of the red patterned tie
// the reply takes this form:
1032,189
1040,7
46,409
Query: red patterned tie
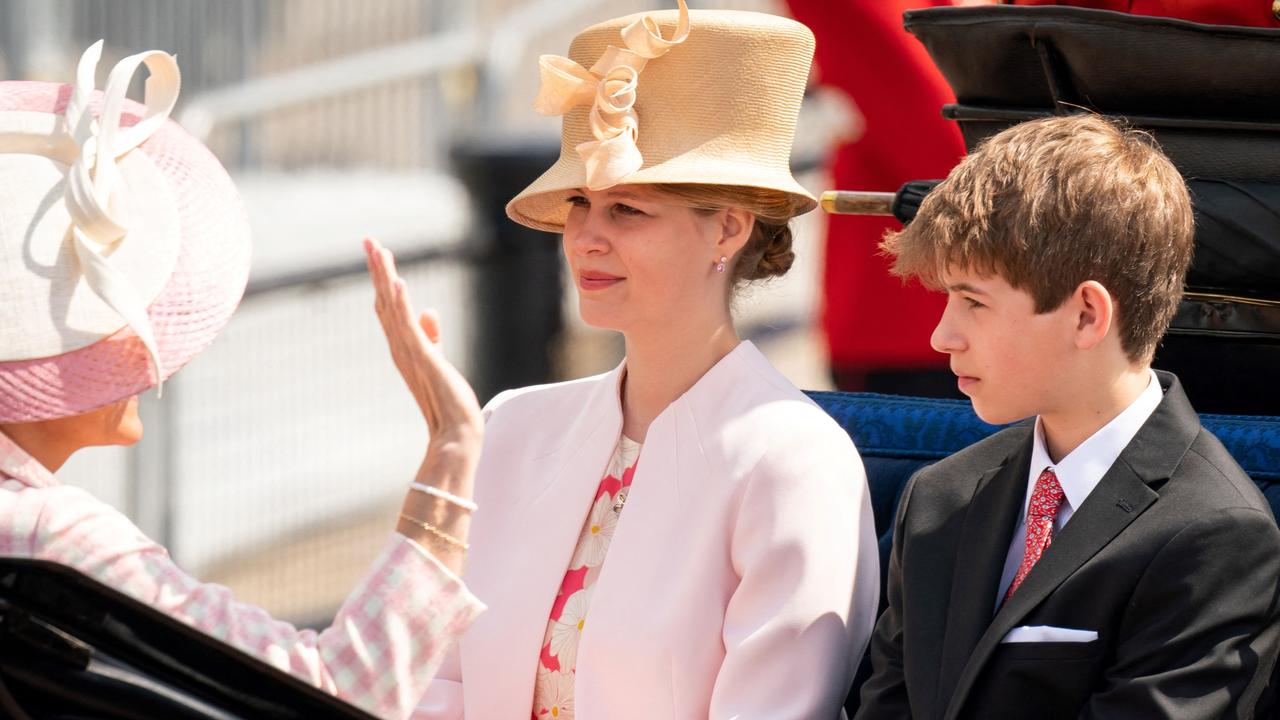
1046,498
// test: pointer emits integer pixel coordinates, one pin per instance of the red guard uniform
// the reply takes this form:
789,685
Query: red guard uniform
872,322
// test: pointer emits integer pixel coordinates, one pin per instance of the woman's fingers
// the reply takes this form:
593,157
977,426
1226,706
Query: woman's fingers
391,262
443,395
413,339
405,313
378,275
392,299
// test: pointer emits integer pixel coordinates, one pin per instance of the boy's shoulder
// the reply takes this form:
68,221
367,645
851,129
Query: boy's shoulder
1204,478
952,480
1209,478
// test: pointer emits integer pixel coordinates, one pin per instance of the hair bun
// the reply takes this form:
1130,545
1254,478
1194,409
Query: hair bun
777,256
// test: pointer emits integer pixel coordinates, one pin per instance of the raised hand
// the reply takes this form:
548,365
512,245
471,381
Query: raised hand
445,398
448,404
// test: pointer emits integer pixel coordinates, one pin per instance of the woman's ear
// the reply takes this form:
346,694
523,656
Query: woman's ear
736,225
1095,313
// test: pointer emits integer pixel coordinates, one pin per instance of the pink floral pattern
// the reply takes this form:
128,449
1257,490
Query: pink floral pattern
1046,499
557,664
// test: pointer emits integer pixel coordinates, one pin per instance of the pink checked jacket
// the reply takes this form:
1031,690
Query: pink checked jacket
741,582
380,653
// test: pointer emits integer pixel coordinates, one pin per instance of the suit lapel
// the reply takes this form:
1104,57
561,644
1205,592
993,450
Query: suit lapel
1117,501
1122,495
984,541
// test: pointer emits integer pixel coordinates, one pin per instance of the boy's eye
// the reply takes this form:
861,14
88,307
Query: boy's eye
973,303
627,210
578,201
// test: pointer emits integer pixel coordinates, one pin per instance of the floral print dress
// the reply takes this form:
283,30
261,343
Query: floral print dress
557,664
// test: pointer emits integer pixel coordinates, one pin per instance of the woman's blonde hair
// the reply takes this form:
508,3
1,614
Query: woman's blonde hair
768,252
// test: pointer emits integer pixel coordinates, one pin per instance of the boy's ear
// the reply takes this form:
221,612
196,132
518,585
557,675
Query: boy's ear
1096,312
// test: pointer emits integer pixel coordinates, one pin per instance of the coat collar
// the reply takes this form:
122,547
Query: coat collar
546,512
1082,468
738,372
1125,492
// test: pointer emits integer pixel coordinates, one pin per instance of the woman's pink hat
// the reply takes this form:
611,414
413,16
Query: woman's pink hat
124,247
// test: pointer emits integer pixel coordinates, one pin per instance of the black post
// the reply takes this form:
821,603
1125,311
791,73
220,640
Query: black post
517,285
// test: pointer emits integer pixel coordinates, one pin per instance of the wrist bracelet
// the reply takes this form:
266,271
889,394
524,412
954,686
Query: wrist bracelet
448,497
437,532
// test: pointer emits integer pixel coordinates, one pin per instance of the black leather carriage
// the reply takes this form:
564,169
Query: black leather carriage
74,649
1208,94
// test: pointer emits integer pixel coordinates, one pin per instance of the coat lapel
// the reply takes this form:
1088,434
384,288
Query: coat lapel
984,541
549,514
1119,498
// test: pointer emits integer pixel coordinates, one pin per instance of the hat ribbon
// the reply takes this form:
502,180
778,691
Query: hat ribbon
95,194
609,87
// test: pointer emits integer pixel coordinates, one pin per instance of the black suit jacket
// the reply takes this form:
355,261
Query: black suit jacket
1174,559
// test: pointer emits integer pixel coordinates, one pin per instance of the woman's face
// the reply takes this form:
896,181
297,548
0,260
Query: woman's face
638,259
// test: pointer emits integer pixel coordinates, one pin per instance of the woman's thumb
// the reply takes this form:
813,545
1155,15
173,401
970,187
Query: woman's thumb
430,323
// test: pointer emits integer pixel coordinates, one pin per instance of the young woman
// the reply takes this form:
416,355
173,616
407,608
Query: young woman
687,536
123,251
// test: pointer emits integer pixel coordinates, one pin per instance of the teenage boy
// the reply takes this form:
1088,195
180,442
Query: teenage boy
1109,560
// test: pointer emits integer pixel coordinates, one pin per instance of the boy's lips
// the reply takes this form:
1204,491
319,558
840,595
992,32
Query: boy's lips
965,381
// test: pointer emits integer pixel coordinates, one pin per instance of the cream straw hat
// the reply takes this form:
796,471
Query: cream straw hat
124,247
678,96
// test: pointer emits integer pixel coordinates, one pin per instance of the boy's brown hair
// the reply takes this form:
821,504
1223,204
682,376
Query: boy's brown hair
1051,203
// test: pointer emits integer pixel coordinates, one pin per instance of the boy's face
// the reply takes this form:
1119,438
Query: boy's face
1010,361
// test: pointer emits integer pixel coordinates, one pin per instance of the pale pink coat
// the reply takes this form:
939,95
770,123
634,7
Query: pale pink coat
741,581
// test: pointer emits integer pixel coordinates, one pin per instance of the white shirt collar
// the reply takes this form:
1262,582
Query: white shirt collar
1082,469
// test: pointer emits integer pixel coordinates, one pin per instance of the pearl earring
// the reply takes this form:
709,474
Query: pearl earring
720,265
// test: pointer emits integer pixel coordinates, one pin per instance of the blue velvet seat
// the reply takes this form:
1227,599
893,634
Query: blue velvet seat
898,435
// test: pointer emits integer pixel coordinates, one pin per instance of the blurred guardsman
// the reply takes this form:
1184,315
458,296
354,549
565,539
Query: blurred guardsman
124,250
876,327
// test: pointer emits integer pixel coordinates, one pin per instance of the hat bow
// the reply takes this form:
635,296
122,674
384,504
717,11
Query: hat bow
95,194
609,87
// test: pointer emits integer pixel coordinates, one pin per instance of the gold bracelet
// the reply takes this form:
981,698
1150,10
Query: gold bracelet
446,537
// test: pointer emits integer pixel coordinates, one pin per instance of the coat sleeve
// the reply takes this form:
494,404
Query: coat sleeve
884,694
804,548
382,649
1200,636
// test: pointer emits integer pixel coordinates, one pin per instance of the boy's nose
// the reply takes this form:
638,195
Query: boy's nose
945,338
